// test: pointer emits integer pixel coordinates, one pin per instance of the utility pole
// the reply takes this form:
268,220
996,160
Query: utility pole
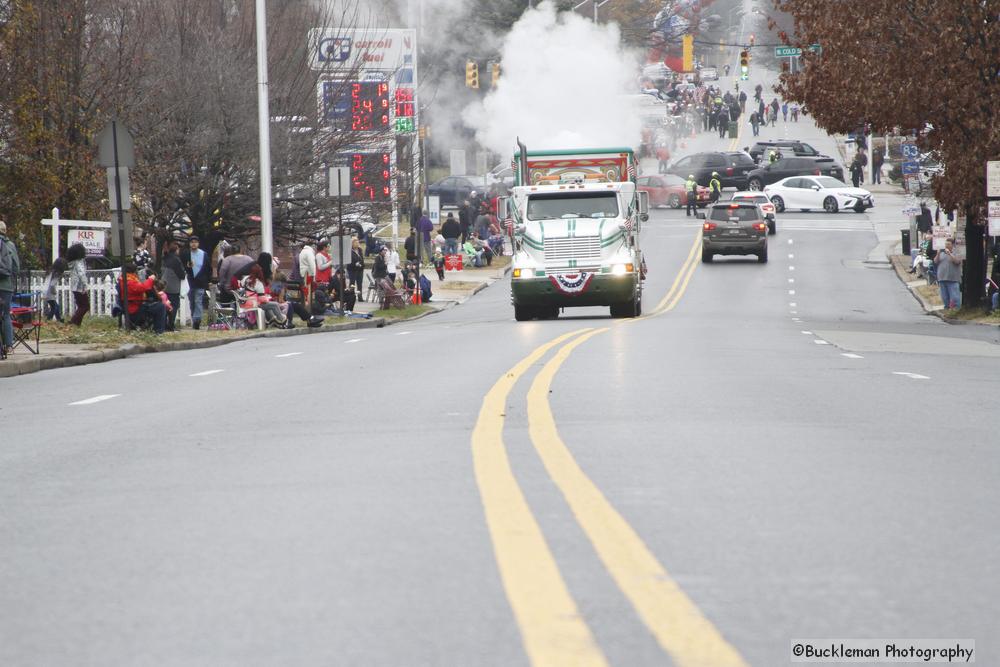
264,132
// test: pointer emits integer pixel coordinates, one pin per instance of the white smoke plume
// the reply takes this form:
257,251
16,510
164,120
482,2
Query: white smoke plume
561,84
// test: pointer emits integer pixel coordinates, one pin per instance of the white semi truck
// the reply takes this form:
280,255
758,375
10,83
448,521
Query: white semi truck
575,217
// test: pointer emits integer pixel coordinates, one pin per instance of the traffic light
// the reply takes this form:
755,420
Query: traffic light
744,65
472,74
495,74
751,40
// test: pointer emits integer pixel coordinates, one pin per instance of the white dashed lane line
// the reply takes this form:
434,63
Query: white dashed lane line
912,376
820,341
808,333
353,340
95,399
287,354
404,333
204,373
851,356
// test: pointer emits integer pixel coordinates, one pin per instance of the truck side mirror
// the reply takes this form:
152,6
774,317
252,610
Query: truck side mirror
643,205
503,207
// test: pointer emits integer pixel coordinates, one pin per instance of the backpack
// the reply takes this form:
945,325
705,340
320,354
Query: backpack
7,262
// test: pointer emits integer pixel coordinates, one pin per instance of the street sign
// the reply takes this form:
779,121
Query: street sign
113,196
910,167
91,239
793,51
993,214
993,178
339,181
114,132
910,151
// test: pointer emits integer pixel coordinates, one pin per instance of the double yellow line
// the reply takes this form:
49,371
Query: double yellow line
552,629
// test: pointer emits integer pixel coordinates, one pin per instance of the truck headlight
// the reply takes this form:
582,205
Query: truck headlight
621,269
516,273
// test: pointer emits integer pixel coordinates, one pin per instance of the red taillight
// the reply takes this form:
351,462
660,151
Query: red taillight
708,226
760,226
729,171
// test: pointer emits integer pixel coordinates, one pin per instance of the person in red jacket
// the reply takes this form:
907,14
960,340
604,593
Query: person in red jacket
142,310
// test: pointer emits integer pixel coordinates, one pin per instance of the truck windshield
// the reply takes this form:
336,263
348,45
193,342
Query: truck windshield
573,205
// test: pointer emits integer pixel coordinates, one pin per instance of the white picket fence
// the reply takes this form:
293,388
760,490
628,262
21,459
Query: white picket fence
103,297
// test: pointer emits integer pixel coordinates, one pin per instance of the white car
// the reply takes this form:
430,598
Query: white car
767,209
815,192
709,74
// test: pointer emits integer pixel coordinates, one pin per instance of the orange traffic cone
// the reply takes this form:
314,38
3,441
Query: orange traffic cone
418,297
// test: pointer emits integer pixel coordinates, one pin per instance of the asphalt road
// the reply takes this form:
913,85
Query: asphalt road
747,465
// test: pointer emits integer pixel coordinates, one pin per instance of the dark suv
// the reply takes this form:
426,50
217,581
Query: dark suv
793,166
733,228
787,147
733,168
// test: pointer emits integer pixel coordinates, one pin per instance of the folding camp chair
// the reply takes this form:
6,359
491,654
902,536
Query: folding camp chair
391,297
26,319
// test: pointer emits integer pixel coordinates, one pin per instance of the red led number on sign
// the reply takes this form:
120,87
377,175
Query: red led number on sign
369,103
371,176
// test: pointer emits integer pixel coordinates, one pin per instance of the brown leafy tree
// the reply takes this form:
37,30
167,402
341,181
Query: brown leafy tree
927,67
181,74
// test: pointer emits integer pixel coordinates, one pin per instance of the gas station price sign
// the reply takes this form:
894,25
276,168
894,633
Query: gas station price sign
371,177
358,105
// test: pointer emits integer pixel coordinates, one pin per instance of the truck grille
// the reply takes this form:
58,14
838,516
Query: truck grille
585,250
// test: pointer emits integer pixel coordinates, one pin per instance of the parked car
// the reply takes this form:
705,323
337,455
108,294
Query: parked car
787,148
453,190
733,228
766,207
669,190
793,166
817,192
733,168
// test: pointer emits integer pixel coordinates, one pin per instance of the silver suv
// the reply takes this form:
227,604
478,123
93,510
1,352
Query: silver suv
733,228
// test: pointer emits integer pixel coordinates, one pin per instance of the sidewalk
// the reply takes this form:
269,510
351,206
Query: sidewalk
458,287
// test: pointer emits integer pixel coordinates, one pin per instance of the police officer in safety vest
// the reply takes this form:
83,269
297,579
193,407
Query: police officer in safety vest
715,187
691,187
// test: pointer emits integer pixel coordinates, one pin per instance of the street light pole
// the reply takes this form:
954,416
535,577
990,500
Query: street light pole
264,132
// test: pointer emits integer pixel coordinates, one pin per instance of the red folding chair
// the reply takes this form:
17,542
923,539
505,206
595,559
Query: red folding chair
27,323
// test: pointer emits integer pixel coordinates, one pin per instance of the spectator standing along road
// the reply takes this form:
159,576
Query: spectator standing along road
356,269
307,269
173,274
10,264
425,227
199,273
76,255
949,273
878,159
451,231
52,311
143,258
391,262
324,264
